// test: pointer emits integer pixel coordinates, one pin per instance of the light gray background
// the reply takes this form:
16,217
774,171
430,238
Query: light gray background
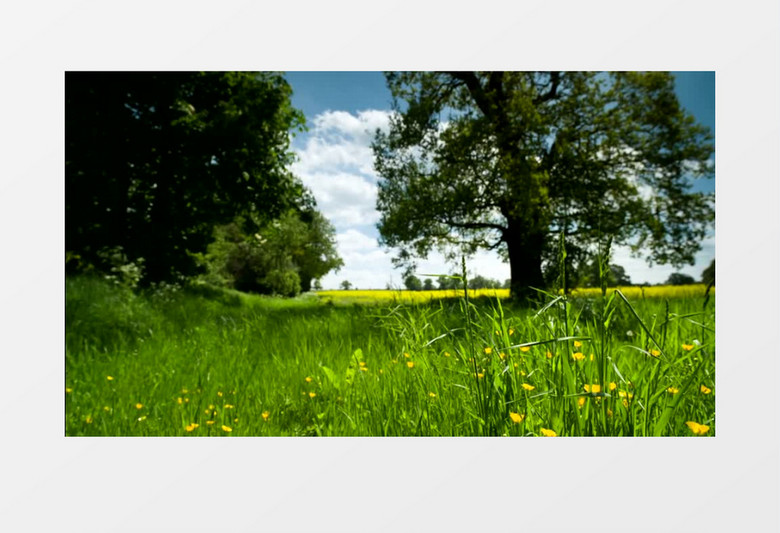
726,483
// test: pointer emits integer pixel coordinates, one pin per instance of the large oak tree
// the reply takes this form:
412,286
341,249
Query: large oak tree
507,160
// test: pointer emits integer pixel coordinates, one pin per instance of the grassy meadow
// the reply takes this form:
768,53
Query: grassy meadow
200,361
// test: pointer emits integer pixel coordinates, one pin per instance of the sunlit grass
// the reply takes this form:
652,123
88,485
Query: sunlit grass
217,363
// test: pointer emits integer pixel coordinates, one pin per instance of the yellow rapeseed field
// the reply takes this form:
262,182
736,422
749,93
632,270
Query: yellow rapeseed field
403,296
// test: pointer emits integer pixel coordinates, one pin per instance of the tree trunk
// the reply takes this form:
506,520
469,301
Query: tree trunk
525,260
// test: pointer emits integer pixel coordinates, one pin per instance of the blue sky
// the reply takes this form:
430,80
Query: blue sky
342,110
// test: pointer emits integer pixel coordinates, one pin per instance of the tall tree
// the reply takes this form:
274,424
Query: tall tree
153,160
505,160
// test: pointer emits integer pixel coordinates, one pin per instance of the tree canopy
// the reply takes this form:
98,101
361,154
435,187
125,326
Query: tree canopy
507,160
154,161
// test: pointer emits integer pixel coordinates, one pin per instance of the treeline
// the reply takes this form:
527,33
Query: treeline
588,275
182,175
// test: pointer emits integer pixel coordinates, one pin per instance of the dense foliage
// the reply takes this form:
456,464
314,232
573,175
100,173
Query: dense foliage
154,161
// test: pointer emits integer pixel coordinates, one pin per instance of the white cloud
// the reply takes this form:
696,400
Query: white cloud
345,199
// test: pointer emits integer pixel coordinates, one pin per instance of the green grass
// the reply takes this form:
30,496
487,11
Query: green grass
222,359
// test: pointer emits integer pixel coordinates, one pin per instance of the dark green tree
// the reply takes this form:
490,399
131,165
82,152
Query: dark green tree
412,282
427,284
155,160
615,275
281,258
678,278
509,160
346,285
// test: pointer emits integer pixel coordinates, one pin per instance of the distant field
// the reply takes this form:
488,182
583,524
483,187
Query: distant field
403,296
209,362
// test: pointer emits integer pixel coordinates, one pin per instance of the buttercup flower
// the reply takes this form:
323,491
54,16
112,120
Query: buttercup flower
526,386
265,415
516,417
580,401
655,353
548,432
672,390
577,344
612,386
525,348
312,394
549,355
687,347
227,429
592,388
110,378
191,427
139,405
410,364
705,390
578,356
432,394
488,350
698,429
308,379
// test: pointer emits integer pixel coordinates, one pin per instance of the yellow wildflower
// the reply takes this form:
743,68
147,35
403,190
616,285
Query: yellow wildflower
211,407
432,394
185,391
511,331
139,405
578,356
580,401
577,344
446,354
549,355
312,394
179,400
516,417
480,375
265,415
672,390
106,408
687,347
525,348
705,390
655,353
219,393
698,429
527,386
364,369
410,364
227,429
548,432
88,420
191,427
407,355
488,350
110,378
502,355
68,390
362,363
229,406
209,422
592,357
308,379
594,389
610,413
